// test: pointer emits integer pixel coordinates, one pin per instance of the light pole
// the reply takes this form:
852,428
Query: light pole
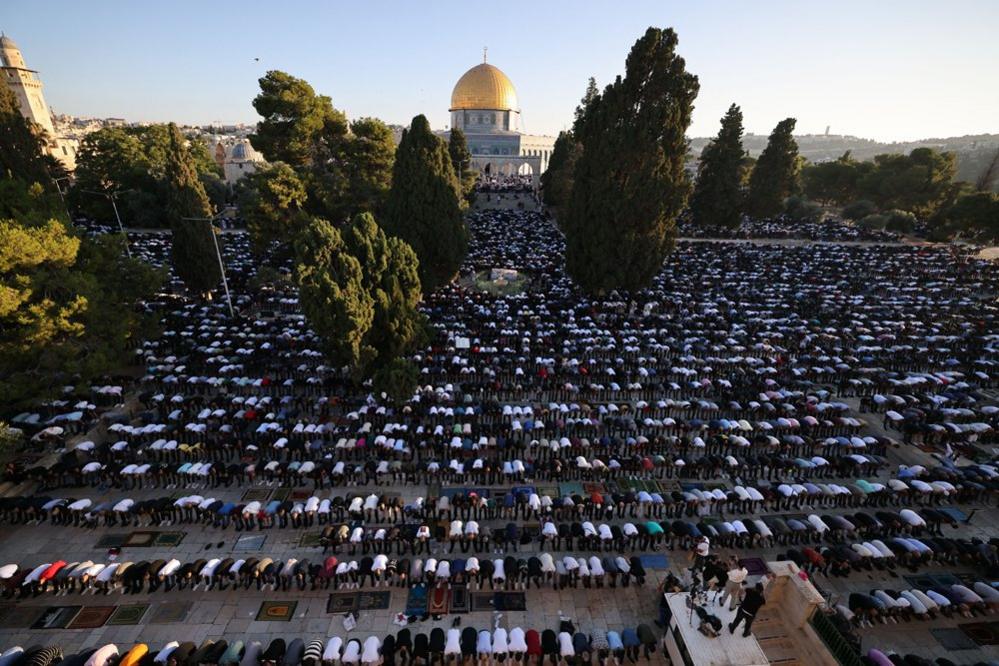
218,253
111,196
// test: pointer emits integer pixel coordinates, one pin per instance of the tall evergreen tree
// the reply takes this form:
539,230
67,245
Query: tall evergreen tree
461,160
589,97
20,143
271,203
556,181
299,127
775,176
717,198
423,205
193,249
360,291
630,182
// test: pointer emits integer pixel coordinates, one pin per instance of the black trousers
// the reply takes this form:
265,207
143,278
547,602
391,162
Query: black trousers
742,616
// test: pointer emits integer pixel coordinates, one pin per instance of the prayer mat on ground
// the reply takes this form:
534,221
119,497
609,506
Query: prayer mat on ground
754,565
438,604
5,612
171,612
22,617
510,601
531,530
299,495
516,490
551,491
654,561
56,617
373,600
570,488
482,601
281,494
308,540
416,601
141,539
590,488
922,581
953,639
249,543
691,485
276,611
459,598
256,495
168,539
954,514
111,541
127,615
342,602
91,617
983,633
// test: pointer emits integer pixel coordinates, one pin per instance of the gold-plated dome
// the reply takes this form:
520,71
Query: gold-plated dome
484,87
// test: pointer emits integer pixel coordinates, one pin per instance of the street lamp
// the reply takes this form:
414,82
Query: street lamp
218,253
111,196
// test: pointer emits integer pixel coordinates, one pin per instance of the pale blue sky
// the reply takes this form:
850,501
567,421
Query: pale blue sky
883,69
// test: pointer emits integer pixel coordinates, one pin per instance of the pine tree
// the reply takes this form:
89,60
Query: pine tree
775,176
193,249
629,182
717,197
590,96
423,206
271,203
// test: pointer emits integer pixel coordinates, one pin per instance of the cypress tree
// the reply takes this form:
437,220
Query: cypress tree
423,206
717,197
360,291
331,290
775,176
193,249
461,160
629,182
20,143
556,181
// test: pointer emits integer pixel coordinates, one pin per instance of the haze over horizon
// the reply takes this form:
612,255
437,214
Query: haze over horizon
890,71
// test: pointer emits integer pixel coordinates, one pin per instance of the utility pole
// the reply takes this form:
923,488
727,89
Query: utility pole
218,254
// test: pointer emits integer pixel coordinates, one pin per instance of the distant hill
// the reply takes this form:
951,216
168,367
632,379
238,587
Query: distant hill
973,151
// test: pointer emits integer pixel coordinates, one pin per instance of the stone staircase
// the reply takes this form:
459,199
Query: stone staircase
771,634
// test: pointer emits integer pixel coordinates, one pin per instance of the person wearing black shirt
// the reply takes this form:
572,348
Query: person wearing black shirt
752,602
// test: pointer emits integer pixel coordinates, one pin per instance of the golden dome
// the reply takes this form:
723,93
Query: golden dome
484,87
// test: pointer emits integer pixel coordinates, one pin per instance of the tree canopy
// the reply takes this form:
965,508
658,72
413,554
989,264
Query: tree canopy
193,249
423,206
556,181
629,182
132,161
298,126
461,160
717,198
775,176
62,321
359,290
345,168
272,203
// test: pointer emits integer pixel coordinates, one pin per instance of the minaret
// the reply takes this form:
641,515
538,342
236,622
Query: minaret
27,87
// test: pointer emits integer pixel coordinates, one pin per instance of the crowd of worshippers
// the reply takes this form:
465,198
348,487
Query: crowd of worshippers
734,354
570,516
502,573
567,644
783,226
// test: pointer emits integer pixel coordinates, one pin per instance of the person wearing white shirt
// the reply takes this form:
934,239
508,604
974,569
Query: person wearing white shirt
369,655
452,646
501,645
499,574
517,644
